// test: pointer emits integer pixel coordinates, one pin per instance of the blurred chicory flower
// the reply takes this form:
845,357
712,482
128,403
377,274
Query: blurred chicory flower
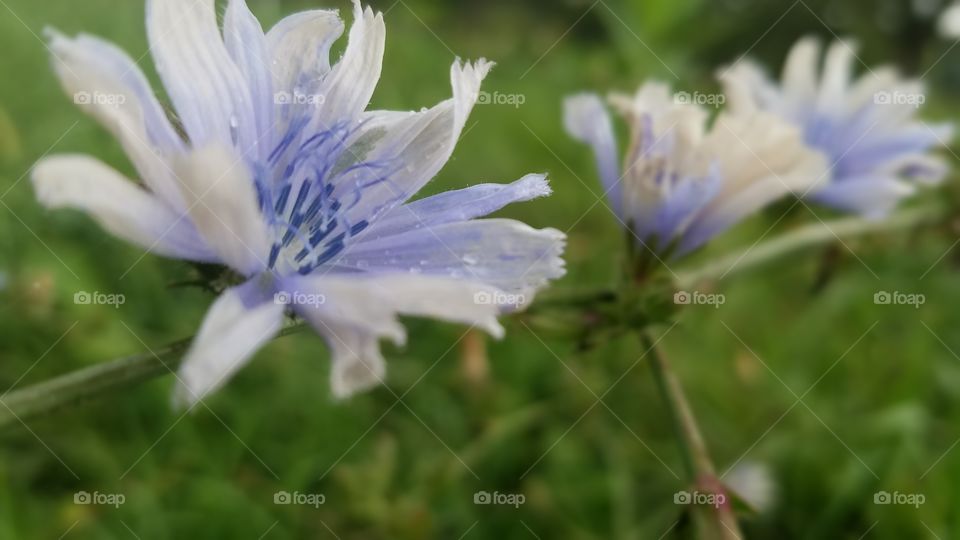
877,152
685,180
284,177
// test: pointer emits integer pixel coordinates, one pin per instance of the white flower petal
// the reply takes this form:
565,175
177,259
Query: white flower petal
459,205
762,158
222,200
420,143
800,71
351,82
872,196
299,47
208,90
109,86
247,46
505,253
355,311
587,120
837,74
744,85
119,205
357,364
236,326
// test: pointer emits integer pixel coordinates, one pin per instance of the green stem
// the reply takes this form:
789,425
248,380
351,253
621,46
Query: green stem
805,237
715,521
60,392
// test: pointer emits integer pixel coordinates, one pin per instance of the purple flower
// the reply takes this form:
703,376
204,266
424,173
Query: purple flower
684,180
282,175
877,152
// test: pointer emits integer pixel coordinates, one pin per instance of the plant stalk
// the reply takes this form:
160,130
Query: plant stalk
716,521
805,237
17,406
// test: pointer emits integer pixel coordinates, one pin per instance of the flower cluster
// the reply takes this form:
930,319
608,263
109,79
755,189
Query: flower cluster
854,146
273,167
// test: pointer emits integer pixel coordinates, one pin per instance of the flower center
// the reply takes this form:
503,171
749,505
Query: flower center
306,189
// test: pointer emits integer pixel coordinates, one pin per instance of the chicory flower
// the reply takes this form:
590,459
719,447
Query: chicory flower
877,151
277,171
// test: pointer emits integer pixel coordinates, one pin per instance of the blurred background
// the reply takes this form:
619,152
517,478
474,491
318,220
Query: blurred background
812,398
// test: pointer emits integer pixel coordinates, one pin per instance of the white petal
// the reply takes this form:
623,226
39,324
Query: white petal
872,196
746,87
357,364
418,144
800,71
247,46
372,301
837,73
299,46
459,205
502,252
587,120
350,85
763,146
208,90
354,311
109,86
122,208
223,205
762,158
237,325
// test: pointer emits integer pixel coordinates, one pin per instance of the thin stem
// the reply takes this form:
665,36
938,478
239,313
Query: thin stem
716,520
805,237
60,392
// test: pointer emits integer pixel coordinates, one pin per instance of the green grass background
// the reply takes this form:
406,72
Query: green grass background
882,411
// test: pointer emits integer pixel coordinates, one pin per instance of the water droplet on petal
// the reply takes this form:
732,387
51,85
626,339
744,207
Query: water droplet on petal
470,259
234,129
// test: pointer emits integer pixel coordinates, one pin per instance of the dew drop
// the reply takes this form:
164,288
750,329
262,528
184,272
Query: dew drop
234,129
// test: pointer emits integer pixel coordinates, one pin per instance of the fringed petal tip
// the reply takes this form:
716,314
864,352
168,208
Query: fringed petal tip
470,73
532,186
360,12
554,265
